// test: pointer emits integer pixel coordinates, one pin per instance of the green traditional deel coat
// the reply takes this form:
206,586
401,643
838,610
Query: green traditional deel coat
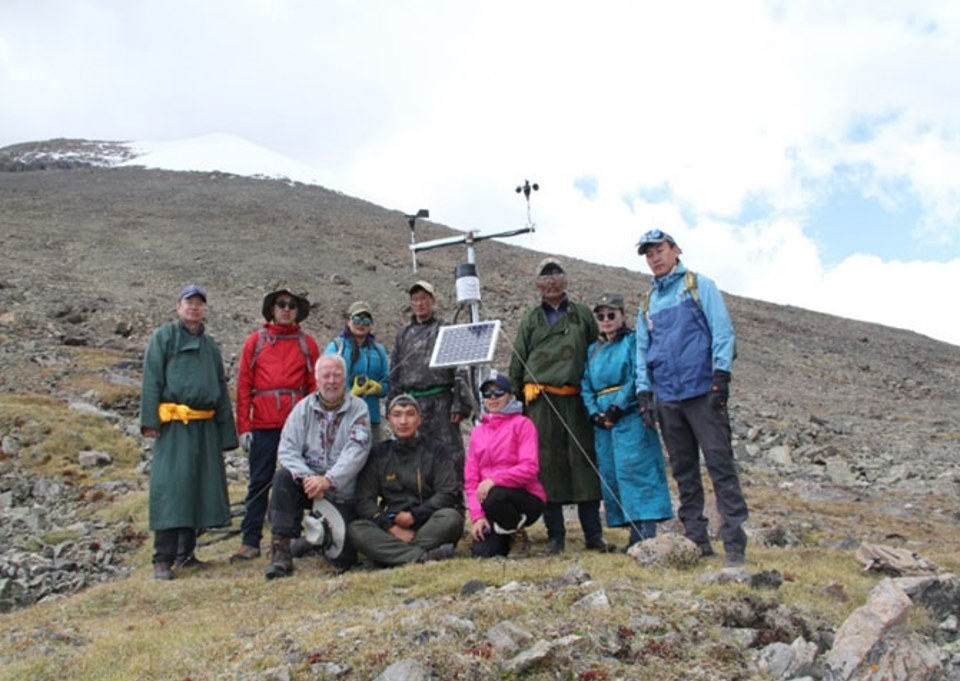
555,355
188,484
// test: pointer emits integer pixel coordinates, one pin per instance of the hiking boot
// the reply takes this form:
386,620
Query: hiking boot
733,559
706,550
163,570
191,562
244,554
442,552
520,545
555,546
601,546
281,561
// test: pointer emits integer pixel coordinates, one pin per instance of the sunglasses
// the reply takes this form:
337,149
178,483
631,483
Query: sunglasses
609,316
493,392
286,304
361,320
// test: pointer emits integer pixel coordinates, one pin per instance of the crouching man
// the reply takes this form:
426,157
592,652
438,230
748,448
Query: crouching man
408,495
324,444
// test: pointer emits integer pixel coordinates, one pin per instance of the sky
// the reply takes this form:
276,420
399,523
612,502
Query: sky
804,152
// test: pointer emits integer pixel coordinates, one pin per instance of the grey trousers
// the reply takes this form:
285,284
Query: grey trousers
444,527
688,427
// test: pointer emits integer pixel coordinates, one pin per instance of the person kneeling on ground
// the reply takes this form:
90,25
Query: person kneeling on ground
408,495
502,473
324,444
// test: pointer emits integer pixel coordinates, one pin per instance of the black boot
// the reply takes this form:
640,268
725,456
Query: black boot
281,560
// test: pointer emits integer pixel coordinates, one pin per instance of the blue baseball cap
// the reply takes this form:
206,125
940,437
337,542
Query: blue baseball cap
193,290
654,236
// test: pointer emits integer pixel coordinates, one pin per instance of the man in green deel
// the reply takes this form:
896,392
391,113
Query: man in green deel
185,405
549,355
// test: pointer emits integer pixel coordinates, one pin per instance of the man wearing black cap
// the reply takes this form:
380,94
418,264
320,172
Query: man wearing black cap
549,355
408,495
685,351
441,393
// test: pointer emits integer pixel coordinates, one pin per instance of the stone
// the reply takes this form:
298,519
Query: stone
666,549
9,446
861,633
93,458
529,658
595,601
507,637
472,586
405,670
780,455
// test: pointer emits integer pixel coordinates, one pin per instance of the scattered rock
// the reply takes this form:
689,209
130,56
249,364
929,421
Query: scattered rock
666,549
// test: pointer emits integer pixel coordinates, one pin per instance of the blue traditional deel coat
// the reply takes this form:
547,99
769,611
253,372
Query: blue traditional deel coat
371,362
632,468
680,343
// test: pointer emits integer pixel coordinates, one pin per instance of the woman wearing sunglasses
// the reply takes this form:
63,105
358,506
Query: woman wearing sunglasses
502,472
276,372
367,366
632,469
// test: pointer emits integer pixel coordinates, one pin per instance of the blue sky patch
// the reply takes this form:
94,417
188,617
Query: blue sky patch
588,185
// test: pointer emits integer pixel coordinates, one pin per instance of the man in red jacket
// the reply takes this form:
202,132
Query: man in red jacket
276,372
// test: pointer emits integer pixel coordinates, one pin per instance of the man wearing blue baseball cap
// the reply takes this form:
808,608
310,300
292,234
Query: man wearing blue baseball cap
685,351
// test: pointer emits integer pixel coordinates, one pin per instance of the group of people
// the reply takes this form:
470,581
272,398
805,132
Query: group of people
573,421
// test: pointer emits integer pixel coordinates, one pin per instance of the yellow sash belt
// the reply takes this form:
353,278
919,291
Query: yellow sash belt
170,411
611,389
531,391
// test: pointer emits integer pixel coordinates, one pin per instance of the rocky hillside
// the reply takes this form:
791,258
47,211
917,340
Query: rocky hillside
825,410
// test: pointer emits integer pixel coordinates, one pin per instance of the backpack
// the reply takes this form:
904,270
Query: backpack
262,339
689,284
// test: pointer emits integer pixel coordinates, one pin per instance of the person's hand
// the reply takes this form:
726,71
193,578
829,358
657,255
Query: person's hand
720,391
402,533
647,413
315,486
483,489
359,388
147,431
246,440
456,417
372,387
599,420
614,414
480,529
404,519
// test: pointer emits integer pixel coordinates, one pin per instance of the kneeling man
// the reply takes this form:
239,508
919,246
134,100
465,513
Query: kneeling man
324,444
408,495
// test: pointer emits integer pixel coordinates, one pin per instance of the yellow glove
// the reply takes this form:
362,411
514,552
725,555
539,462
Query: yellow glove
372,387
359,388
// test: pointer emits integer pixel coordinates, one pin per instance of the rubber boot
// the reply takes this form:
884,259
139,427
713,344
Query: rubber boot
281,560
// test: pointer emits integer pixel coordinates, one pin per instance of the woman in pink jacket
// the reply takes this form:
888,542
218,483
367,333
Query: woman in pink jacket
502,472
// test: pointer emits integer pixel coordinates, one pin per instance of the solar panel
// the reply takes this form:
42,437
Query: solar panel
462,344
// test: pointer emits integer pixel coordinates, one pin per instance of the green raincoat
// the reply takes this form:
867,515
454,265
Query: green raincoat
188,484
555,355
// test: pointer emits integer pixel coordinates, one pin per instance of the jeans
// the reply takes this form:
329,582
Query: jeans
263,464
688,427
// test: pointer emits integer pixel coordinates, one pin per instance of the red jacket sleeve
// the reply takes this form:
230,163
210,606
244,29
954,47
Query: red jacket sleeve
245,384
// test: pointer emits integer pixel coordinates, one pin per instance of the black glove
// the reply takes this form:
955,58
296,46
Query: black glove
647,413
598,419
614,413
720,392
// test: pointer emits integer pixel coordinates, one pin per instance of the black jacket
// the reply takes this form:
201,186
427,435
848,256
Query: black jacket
406,475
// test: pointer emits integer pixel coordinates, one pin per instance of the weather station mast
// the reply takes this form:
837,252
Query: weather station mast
468,345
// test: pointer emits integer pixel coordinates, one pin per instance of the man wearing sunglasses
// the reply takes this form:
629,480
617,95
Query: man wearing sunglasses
276,372
685,351
549,356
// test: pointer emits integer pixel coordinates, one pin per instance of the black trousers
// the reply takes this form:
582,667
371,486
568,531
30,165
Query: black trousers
287,503
505,507
688,427
174,545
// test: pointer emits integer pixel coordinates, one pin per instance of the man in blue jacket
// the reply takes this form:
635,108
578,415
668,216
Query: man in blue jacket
685,350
